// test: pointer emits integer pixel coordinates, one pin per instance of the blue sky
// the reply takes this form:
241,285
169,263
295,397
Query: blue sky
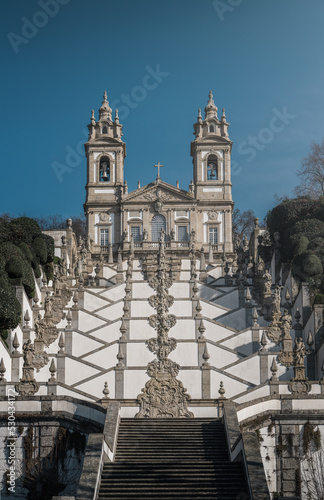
263,59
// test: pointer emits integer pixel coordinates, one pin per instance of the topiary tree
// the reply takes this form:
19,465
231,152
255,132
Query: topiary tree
40,249
302,245
49,246
10,309
27,250
14,267
24,229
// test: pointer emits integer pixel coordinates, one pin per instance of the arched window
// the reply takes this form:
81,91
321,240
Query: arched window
158,222
104,170
212,168
104,130
211,129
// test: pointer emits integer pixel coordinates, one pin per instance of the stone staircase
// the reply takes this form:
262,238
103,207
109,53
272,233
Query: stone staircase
172,458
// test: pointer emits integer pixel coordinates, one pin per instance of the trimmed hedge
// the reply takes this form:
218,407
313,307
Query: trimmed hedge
24,229
40,249
50,247
10,309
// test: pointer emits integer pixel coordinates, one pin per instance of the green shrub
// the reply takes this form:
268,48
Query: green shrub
40,249
306,265
4,230
285,215
24,229
29,254
10,309
49,271
37,269
14,267
49,241
7,252
301,245
319,299
308,228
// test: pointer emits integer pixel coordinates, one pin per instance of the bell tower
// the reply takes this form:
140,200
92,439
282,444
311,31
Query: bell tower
211,153
105,152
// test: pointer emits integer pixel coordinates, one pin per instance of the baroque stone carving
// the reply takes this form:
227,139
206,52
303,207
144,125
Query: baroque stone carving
164,395
299,385
27,385
286,356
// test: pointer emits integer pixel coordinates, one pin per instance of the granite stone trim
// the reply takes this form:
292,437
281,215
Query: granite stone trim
92,467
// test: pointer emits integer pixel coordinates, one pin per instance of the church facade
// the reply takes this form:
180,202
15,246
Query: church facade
201,215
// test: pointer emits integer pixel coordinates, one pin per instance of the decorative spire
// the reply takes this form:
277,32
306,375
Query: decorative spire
223,115
116,116
2,371
93,120
274,369
199,119
105,109
61,344
221,390
210,109
52,370
206,356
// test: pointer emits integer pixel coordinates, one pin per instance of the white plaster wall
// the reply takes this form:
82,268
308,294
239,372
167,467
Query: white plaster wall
185,264
80,410
75,371
241,342
180,290
4,354
108,272
184,329
191,380
140,329
216,332
211,311
252,394
142,291
256,409
88,322
112,312
134,381
93,302
247,369
105,358
63,391
220,357
108,333
82,344
185,275
235,319
95,386
138,354
229,300
141,308
181,308
115,293
185,354
231,386
207,292
269,457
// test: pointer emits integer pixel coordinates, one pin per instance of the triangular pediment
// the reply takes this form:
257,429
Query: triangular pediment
162,191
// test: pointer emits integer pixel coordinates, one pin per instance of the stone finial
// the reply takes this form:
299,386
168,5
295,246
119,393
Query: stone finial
206,356
2,371
36,300
221,390
69,223
248,295
61,344
310,340
69,318
120,357
256,222
75,300
201,329
123,330
44,280
52,370
223,113
274,369
198,308
27,318
15,344
138,184
263,341
116,116
93,120
105,390
255,317
195,288
202,260
297,326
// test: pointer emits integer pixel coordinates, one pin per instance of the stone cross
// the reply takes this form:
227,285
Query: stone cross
158,167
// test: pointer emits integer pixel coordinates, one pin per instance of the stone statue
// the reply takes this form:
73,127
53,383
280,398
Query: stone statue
145,234
299,351
28,353
125,234
172,234
267,282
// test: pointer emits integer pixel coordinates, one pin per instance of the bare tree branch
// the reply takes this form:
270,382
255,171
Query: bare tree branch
312,173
